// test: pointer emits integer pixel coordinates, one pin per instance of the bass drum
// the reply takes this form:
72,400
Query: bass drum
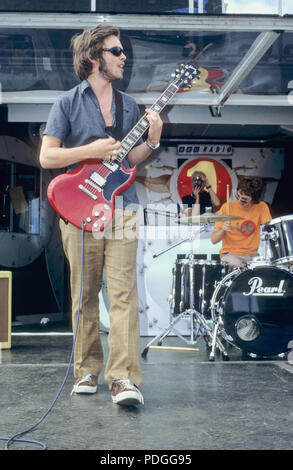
257,310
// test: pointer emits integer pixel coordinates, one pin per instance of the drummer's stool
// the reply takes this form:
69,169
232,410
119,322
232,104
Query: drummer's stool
5,309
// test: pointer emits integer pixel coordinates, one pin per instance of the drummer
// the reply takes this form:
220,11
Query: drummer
202,197
240,238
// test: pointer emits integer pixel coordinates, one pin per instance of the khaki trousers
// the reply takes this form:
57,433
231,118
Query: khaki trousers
118,257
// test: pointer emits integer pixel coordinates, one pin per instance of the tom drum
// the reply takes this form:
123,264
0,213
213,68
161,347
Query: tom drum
199,275
280,239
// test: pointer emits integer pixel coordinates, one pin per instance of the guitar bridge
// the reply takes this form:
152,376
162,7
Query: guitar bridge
86,191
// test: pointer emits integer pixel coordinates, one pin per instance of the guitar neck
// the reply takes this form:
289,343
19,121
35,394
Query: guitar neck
142,125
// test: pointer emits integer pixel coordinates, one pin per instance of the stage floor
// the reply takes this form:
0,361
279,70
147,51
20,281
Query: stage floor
190,403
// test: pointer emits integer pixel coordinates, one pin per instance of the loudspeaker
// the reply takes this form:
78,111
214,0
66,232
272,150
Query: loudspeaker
5,309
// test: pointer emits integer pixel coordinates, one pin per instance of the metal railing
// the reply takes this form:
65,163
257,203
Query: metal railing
278,7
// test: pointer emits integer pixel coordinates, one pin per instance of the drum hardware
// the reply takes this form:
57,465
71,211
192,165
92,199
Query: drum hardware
273,235
158,212
189,238
258,261
218,329
156,255
171,215
200,326
264,236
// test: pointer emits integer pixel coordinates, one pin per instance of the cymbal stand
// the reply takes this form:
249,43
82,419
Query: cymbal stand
189,238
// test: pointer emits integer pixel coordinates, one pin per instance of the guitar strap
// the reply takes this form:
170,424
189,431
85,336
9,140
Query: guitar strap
116,132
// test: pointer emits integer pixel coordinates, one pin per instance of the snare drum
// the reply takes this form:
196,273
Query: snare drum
202,276
280,239
256,306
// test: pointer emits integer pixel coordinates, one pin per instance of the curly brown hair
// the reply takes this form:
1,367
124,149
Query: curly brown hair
88,45
251,186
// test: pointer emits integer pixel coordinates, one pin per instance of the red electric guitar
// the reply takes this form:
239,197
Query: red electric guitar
85,196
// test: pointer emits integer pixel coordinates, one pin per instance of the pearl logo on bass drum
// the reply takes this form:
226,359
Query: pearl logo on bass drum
258,289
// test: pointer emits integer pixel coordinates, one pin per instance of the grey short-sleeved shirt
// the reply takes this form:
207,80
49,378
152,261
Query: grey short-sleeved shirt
76,119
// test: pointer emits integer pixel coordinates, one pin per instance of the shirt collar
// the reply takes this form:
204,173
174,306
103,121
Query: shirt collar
84,85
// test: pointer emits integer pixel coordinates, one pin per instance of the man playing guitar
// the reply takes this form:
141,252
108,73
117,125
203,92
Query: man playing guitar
87,123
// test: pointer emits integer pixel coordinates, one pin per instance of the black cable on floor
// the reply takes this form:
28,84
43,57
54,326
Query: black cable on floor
16,437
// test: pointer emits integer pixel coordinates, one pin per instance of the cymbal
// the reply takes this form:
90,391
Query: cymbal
207,218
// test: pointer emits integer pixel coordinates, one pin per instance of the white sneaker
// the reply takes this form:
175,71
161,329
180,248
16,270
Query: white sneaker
124,392
87,384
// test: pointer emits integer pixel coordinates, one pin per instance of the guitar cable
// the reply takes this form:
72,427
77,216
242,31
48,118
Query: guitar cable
16,437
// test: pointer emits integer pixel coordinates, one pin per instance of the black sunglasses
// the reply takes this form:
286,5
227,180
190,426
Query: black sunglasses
116,50
243,199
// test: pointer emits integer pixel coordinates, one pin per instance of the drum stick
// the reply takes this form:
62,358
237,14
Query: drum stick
174,348
228,198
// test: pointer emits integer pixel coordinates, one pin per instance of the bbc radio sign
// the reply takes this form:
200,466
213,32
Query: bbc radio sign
207,149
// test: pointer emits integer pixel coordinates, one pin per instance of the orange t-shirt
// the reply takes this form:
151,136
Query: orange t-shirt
245,234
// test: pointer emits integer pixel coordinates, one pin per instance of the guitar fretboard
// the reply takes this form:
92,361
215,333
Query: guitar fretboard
142,125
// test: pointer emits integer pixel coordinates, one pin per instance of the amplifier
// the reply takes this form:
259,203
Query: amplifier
5,309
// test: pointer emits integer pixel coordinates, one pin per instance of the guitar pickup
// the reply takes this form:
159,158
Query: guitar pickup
97,178
111,166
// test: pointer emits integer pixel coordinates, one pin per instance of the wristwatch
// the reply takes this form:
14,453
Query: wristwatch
209,187
151,146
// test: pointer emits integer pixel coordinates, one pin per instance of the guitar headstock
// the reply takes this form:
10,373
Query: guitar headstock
184,75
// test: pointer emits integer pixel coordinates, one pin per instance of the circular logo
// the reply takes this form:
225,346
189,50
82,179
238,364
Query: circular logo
247,228
217,174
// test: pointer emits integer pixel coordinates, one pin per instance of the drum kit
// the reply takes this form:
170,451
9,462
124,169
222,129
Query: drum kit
249,308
